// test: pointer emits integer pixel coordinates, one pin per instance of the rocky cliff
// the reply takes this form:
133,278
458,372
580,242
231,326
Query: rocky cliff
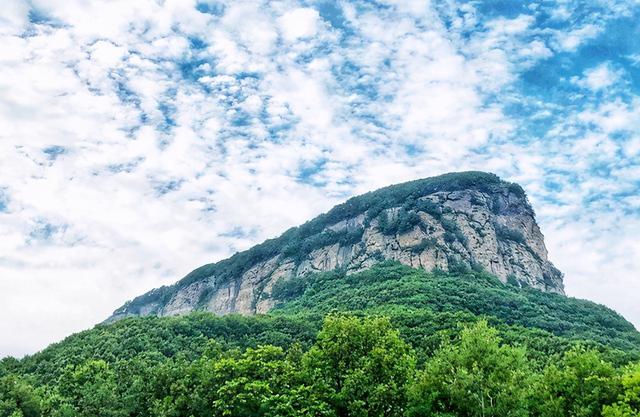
458,220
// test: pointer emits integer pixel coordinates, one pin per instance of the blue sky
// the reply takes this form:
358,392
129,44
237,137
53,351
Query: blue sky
141,139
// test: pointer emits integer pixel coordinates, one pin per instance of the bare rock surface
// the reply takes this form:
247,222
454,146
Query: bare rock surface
487,223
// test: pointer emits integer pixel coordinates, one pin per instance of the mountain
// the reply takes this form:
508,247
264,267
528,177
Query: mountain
457,220
433,297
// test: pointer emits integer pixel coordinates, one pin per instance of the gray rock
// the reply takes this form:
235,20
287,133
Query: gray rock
493,229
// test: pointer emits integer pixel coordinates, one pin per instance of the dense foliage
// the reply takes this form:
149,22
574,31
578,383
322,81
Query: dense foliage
389,341
404,293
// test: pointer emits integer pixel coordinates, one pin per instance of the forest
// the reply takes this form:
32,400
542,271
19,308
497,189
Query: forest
389,341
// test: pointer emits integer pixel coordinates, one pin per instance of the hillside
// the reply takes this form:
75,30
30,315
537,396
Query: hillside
420,304
137,365
395,290
469,219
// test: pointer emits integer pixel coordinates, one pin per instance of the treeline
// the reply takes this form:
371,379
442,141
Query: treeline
356,367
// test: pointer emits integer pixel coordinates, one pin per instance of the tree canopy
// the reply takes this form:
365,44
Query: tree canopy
389,341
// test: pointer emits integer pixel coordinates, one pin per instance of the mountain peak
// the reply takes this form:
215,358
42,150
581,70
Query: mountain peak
452,221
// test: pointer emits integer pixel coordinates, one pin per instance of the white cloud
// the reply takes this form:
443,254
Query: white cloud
13,17
299,23
571,40
635,59
537,50
251,26
600,77
599,260
613,116
166,147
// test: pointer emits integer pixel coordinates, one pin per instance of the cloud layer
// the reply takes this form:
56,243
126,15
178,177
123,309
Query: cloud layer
142,139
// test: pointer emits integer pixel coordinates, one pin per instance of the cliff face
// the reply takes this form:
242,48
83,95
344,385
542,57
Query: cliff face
456,220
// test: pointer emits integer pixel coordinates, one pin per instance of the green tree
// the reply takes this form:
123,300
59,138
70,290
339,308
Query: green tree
90,390
579,385
361,366
628,404
135,378
259,382
477,376
17,398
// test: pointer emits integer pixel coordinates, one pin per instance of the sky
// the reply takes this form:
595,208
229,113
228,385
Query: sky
141,139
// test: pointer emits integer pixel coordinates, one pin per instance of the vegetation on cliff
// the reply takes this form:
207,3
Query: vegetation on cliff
298,242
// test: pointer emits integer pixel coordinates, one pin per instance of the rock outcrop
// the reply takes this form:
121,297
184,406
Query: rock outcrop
458,220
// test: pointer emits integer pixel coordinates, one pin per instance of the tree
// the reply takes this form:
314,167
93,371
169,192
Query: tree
579,385
475,377
90,390
628,404
361,366
17,398
259,382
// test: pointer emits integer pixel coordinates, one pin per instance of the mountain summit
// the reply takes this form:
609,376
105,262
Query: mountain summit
457,220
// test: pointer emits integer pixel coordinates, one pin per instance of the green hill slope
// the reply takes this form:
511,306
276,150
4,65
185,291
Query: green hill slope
135,367
420,303
391,288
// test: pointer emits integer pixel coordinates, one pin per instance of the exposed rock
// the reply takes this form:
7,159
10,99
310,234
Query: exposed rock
489,225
